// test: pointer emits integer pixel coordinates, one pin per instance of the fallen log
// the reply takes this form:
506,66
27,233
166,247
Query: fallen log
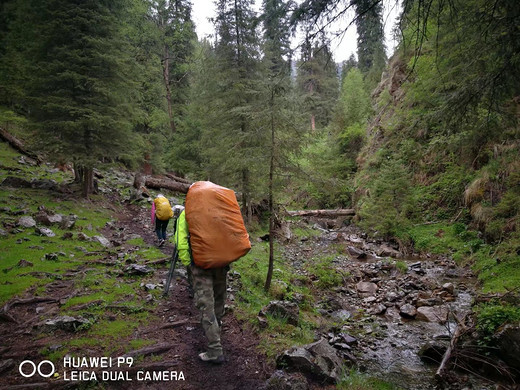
167,184
18,145
322,213
179,179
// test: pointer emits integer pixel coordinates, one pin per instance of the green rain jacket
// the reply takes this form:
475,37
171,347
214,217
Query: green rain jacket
181,239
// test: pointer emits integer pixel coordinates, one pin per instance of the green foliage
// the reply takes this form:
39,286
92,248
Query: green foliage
354,380
385,210
490,317
401,267
327,274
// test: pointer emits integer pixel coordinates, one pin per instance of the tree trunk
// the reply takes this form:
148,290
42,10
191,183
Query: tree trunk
322,213
18,145
271,206
88,181
161,182
166,76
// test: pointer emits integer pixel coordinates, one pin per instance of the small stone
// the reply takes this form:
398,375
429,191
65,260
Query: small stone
408,311
26,222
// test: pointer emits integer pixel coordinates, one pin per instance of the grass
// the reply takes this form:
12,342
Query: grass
498,266
353,380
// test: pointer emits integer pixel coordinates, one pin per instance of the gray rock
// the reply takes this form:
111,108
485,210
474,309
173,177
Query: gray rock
341,315
42,231
509,344
67,323
432,314
356,253
102,240
408,311
378,309
432,352
280,380
283,309
68,221
83,237
24,263
386,251
366,289
26,222
319,359
448,287
3,233
48,219
138,269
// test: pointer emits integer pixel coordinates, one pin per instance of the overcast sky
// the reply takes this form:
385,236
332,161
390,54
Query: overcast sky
342,46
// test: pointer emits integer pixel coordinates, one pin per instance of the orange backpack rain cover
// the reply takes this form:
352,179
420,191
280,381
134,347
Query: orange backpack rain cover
217,232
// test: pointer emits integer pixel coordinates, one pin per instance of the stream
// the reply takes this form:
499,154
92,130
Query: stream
392,312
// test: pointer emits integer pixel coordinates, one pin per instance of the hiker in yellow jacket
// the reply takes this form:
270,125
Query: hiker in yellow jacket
161,215
209,286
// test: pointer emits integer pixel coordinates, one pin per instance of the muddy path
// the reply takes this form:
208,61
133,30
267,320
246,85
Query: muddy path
244,368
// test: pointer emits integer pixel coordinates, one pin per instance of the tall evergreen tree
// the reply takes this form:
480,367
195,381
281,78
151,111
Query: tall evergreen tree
176,36
371,39
231,143
82,90
276,114
318,82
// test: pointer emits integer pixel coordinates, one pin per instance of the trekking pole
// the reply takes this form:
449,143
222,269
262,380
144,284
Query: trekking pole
175,257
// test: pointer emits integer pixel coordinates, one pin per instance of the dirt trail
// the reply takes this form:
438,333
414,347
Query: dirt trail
244,367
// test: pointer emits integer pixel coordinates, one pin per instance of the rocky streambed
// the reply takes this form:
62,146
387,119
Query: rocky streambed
395,315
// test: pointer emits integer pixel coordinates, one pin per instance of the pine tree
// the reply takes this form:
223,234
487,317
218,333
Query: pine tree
176,36
82,90
276,114
230,143
371,39
318,82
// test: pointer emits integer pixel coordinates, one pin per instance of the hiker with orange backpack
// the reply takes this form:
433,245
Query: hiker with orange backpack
161,215
209,235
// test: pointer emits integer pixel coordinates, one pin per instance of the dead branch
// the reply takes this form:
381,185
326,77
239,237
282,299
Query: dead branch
441,371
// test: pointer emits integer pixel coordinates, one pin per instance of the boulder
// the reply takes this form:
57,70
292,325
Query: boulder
103,241
42,231
138,269
449,288
280,380
283,309
432,352
408,311
366,289
356,253
387,251
432,314
68,221
508,338
318,359
26,222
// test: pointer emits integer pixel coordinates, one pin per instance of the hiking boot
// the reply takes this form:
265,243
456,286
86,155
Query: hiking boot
207,358
161,242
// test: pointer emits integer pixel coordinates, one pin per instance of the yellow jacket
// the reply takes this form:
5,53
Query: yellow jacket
181,239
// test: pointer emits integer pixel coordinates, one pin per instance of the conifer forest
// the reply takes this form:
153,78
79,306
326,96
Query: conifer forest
381,193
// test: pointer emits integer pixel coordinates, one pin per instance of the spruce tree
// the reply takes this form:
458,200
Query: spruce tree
230,143
318,82
82,89
371,39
